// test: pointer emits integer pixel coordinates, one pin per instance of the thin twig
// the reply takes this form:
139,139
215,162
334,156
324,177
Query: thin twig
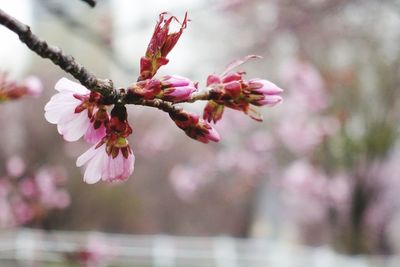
57,56
91,3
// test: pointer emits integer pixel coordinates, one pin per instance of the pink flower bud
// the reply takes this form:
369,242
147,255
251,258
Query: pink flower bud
263,92
213,79
233,89
236,76
213,111
269,100
264,87
195,128
161,43
177,88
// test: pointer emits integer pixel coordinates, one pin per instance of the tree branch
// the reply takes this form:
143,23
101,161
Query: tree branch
57,56
91,3
85,77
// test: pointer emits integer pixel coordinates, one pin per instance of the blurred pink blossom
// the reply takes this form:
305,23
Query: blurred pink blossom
15,166
34,86
300,135
305,186
22,211
187,181
305,85
28,188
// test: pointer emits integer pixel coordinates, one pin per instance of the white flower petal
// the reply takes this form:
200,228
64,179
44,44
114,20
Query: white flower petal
67,85
93,170
85,157
74,127
118,166
95,160
54,113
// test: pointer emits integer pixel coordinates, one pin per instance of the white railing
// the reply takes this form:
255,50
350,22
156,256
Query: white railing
28,247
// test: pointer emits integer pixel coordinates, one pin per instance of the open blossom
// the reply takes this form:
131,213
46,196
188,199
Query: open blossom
76,112
112,158
161,43
194,127
101,165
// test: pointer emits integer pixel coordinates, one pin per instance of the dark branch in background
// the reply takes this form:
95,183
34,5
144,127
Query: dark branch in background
85,32
57,56
91,3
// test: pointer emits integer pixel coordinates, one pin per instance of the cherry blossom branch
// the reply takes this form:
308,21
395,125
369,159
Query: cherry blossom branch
161,105
82,109
57,56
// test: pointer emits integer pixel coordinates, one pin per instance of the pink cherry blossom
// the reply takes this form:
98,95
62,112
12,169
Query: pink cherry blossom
101,165
93,135
60,110
76,112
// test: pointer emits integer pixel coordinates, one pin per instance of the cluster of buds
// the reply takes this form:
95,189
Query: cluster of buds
79,112
172,88
231,90
11,90
161,43
27,197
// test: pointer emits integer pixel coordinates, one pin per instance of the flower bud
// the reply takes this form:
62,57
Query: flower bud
161,43
176,88
263,92
213,111
194,127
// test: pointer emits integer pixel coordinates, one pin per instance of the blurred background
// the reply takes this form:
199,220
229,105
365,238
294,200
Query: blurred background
316,184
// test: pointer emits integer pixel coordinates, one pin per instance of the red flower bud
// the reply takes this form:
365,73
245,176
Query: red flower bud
213,111
194,127
161,43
